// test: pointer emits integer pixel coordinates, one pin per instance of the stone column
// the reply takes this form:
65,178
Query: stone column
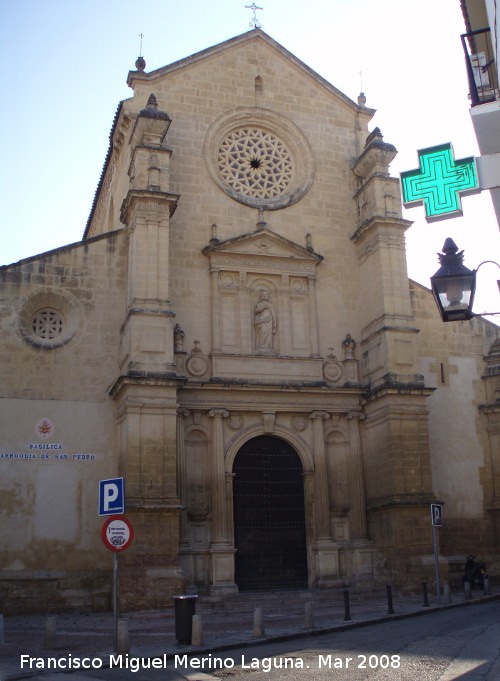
246,316
219,512
313,316
285,317
214,277
356,480
321,500
229,503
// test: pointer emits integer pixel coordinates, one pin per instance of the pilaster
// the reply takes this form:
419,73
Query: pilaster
181,473
357,512
221,548
321,497
398,478
325,549
150,572
219,511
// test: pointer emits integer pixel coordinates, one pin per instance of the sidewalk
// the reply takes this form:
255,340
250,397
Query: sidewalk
226,624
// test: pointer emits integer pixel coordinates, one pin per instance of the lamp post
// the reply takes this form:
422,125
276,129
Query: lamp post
454,285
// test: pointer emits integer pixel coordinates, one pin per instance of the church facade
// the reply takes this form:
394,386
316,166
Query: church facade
237,337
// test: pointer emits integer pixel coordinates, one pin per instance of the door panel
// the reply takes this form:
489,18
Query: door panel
269,516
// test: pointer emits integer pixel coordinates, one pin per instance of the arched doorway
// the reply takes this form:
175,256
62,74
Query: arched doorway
269,516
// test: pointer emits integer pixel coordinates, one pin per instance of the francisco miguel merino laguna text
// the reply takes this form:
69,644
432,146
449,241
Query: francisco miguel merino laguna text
134,664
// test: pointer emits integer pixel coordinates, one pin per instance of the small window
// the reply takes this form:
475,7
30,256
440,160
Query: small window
49,319
47,324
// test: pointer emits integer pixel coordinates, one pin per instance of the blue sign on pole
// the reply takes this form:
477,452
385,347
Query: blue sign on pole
111,496
437,514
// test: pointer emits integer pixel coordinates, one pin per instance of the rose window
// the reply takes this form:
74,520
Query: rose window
47,324
255,163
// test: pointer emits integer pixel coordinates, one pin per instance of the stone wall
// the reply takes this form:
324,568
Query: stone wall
57,421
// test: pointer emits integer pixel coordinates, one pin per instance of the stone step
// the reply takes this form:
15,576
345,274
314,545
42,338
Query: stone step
293,600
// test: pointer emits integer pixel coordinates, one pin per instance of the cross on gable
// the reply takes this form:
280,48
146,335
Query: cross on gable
255,22
439,183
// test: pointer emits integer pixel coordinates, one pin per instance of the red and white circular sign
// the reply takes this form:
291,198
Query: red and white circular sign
117,533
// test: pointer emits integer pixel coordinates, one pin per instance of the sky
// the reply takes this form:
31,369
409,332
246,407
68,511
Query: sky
65,65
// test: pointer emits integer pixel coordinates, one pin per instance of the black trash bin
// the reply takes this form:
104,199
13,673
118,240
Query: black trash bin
184,610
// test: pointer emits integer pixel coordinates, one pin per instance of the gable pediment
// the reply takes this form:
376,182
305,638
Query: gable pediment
258,36
267,247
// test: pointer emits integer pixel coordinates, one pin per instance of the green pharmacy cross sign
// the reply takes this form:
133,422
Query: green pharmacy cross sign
439,183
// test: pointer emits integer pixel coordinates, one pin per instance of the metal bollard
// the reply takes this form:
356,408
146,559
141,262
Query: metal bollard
390,609
309,616
425,595
467,591
258,624
486,586
446,592
197,634
122,637
347,609
50,631
185,606
2,631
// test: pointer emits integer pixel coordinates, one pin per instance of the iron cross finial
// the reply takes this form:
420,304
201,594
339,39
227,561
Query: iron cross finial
255,23
141,36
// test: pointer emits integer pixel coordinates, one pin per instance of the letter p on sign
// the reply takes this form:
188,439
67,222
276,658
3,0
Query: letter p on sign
437,514
111,497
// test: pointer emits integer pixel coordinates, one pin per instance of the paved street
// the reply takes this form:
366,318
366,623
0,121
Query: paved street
461,643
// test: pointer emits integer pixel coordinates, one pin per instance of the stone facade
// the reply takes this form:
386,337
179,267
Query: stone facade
241,286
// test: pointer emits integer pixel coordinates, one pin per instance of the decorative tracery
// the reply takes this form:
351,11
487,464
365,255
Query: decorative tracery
47,324
255,163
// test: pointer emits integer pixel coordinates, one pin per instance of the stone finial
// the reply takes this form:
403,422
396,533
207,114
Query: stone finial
350,362
152,102
375,157
152,111
178,339
348,345
215,239
361,99
375,135
140,64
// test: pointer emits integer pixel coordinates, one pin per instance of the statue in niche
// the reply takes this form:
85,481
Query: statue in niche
265,323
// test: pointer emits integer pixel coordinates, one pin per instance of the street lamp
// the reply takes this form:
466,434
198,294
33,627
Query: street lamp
454,285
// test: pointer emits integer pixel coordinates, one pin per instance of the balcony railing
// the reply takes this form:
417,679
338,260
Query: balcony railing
481,66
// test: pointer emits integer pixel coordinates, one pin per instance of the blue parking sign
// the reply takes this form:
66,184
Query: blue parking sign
111,496
437,515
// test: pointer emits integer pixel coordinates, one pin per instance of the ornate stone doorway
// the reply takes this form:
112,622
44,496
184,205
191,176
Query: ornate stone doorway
269,516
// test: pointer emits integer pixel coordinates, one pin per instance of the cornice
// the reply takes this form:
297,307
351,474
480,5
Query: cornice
383,220
243,398
146,197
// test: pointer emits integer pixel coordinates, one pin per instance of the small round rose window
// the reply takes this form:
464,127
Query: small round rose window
47,324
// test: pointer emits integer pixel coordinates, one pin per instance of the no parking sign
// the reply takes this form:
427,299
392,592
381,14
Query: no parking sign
117,533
